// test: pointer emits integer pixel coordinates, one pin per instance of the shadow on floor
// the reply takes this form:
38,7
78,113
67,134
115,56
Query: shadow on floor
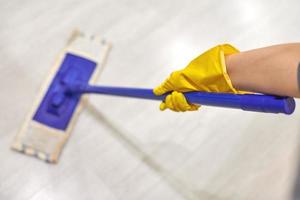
138,151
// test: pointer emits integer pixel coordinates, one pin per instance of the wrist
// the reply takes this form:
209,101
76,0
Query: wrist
232,70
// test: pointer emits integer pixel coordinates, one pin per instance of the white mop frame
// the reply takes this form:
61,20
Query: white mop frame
42,141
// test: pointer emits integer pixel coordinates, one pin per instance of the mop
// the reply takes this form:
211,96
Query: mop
50,122
43,140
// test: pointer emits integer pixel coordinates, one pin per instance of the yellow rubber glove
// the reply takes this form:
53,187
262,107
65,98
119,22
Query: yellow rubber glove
207,73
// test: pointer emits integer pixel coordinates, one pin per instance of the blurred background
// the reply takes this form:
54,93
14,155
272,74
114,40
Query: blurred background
126,148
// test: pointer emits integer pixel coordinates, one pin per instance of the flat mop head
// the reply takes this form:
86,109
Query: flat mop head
49,124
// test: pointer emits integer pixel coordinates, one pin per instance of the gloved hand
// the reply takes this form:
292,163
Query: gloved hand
205,73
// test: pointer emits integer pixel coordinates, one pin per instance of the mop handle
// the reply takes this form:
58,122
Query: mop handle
248,102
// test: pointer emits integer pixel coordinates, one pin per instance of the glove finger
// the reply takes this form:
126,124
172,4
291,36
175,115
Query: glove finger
180,102
169,103
177,102
162,106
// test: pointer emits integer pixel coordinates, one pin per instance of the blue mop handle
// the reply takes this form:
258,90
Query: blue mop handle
248,102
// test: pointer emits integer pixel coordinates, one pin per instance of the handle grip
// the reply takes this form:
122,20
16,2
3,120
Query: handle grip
248,102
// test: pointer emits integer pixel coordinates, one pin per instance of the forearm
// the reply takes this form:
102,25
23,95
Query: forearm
269,70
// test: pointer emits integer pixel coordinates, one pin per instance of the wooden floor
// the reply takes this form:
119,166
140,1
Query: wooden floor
126,148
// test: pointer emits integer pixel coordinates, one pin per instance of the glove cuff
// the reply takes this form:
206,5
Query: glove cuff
225,50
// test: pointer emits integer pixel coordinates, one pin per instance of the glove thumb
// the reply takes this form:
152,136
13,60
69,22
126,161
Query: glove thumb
166,86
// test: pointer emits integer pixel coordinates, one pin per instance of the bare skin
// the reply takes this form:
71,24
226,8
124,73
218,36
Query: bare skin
269,70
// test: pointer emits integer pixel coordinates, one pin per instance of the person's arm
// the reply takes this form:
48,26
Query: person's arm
269,70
